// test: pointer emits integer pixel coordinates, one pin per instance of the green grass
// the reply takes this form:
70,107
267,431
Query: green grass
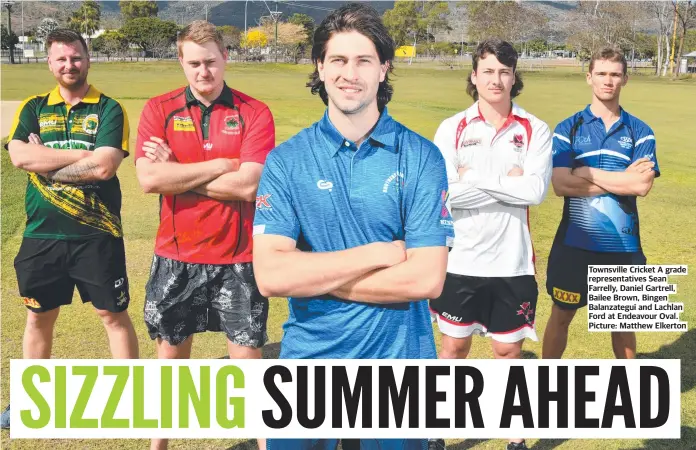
424,96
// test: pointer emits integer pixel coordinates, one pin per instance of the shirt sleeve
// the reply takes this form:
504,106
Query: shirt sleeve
113,129
645,147
259,139
461,194
529,188
151,124
275,213
562,152
427,220
25,122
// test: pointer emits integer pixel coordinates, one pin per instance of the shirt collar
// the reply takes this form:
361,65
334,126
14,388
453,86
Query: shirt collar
474,112
587,115
226,97
92,96
383,135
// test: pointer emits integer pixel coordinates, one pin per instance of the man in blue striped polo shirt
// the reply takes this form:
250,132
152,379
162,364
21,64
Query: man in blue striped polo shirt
351,221
603,158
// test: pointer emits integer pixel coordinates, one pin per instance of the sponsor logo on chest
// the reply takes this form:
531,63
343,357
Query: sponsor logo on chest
625,142
183,123
231,124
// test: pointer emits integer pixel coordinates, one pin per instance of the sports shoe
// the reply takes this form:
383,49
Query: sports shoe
5,419
436,444
516,446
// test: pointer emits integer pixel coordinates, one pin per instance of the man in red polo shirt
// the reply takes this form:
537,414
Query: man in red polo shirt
202,148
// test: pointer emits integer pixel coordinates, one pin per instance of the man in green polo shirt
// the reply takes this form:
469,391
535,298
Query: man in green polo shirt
70,141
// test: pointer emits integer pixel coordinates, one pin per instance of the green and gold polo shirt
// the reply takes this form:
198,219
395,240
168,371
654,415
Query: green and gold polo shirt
69,211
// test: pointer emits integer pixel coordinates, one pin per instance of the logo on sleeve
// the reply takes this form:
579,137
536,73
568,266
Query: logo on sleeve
262,201
445,218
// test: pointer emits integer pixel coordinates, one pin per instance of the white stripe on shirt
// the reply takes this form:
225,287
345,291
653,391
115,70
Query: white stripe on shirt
603,152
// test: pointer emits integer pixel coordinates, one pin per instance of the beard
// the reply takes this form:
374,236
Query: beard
75,84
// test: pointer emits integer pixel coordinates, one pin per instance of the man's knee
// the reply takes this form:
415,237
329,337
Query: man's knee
562,317
505,350
242,352
42,320
455,348
114,320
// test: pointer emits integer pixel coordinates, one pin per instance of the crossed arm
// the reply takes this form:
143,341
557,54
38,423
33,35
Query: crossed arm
380,272
636,180
221,179
66,166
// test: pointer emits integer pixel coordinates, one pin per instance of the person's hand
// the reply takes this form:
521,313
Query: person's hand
462,170
516,172
391,253
641,165
35,139
157,150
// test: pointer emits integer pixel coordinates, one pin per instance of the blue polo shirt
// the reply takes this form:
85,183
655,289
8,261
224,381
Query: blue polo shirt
609,222
321,190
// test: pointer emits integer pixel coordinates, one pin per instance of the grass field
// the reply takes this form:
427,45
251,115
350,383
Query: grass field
423,98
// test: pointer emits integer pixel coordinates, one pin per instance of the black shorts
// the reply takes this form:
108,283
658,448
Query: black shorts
48,271
566,275
185,298
500,307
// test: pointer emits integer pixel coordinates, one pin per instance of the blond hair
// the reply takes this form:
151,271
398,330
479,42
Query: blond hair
199,32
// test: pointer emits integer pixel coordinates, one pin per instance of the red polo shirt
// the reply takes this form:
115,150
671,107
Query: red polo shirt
195,228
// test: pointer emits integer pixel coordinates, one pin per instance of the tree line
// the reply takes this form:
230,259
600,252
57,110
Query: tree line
661,31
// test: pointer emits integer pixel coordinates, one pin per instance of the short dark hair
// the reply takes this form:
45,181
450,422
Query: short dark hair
506,54
65,36
365,20
612,54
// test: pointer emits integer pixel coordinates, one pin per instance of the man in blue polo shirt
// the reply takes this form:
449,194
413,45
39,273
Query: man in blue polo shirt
351,218
603,158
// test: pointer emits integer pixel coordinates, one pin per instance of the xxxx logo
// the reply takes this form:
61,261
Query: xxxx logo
566,297
262,201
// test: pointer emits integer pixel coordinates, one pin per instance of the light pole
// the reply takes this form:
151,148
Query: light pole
276,18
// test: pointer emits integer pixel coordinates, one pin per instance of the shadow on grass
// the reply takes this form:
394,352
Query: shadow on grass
246,445
683,348
687,441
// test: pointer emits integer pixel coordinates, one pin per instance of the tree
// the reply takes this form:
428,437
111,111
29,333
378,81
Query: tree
86,19
507,20
686,18
134,9
410,22
660,10
150,33
231,36
8,39
305,22
110,43
46,25
255,38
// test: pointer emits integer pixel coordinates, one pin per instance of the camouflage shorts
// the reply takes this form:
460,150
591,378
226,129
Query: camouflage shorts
183,298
